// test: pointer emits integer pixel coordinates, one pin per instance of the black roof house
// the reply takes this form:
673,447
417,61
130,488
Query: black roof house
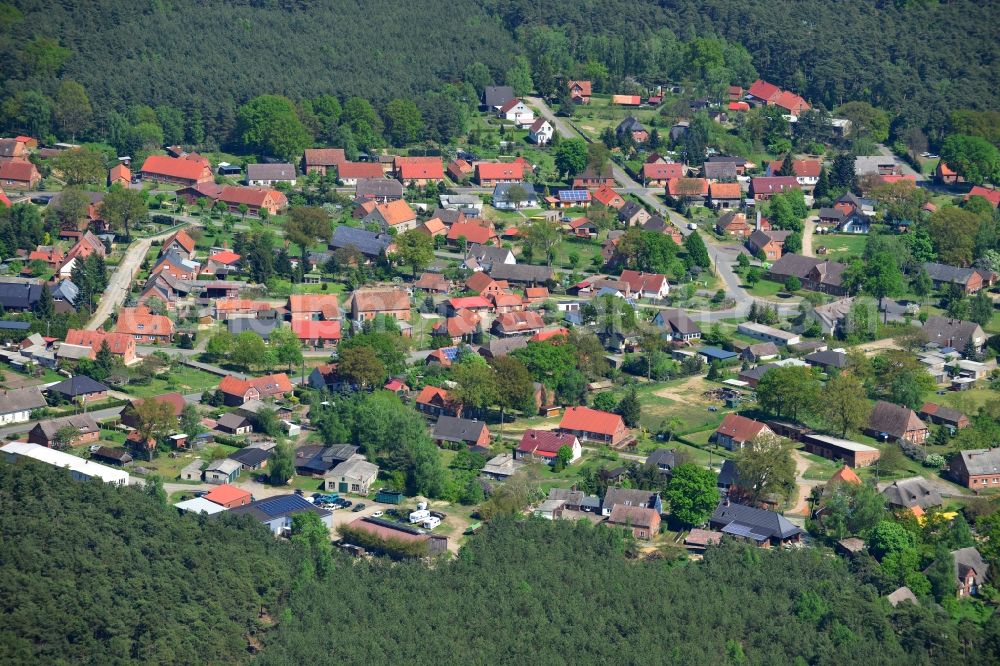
749,522
368,243
77,386
19,295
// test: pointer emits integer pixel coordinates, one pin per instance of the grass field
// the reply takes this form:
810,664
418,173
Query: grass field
840,247
181,379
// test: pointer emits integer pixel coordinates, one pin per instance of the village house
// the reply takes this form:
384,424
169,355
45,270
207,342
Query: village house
646,285
607,196
489,174
254,199
544,445
232,423
632,129
313,307
657,174
119,174
957,334
460,170
229,497
767,243
418,171
351,476
316,334
977,469
526,322
969,280
594,425
806,172
120,344
852,453
514,196
724,196
80,429
236,392
767,333
759,526
350,173
736,431
677,325
630,497
941,415
473,231
814,274
180,243
633,215
269,175
79,389
915,493
377,190
580,91
762,351
692,190
452,430
19,296
174,400
736,224
991,195
643,523
590,178
319,160
517,112
626,100
16,405
893,423
393,215
188,170
540,132
369,244
144,326
18,175
435,402
762,188
368,303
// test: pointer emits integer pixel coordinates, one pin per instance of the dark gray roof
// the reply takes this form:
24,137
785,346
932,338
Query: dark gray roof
954,333
251,456
630,124
757,372
270,508
644,498
981,461
261,327
378,188
728,476
78,385
757,522
893,419
498,347
277,171
655,223
447,215
367,242
676,321
662,458
521,273
232,421
629,210
83,423
719,170
946,273
15,325
319,459
500,191
497,95
966,559
19,295
22,399
827,359
66,291
452,429
908,493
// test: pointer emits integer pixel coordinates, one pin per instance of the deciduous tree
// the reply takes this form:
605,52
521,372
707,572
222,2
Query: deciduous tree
692,494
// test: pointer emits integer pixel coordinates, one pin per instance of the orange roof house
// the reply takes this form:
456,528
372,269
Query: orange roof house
491,173
349,172
792,103
317,334
692,187
474,231
393,215
764,91
607,196
656,174
433,227
228,496
49,254
314,306
237,391
724,194
119,343
178,170
844,475
459,170
144,326
626,100
120,174
594,425
19,175
435,401
368,303
418,170
181,242
735,431
993,196
580,91
255,199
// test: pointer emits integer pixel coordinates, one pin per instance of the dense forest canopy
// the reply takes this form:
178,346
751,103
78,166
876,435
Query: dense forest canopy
917,59
95,574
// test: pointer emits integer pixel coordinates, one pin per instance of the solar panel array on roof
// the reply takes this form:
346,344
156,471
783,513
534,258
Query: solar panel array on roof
741,530
450,352
282,505
574,195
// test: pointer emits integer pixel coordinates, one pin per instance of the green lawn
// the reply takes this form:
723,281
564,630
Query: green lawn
769,289
181,379
840,247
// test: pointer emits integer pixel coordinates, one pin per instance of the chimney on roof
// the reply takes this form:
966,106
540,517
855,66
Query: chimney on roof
758,220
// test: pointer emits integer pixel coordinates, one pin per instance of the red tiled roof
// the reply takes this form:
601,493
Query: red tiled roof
175,400
697,186
791,102
252,196
359,170
724,190
740,428
542,336
512,322
639,281
118,343
120,172
183,238
308,329
381,300
584,86
544,442
479,282
324,156
175,167
267,386
590,420
662,171
772,184
140,321
801,168
468,302
510,104
473,231
396,212
844,475
314,303
739,106
627,100
17,170
993,196
420,168
226,494
499,171
4,200
395,385
465,322
225,257
606,195
945,170
429,393
763,90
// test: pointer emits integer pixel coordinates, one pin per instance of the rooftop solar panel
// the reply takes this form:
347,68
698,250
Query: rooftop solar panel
279,505
574,195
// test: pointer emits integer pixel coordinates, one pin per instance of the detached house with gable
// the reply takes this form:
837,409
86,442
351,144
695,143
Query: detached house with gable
517,112
594,425
145,327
